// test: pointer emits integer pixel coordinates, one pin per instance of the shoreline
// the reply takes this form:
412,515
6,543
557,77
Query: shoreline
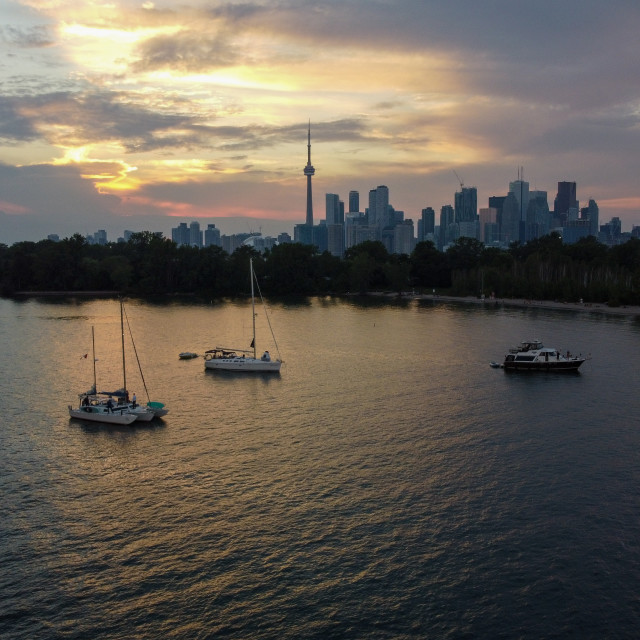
583,307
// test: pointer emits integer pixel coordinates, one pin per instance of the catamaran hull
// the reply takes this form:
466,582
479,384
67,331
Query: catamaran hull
89,413
143,415
243,364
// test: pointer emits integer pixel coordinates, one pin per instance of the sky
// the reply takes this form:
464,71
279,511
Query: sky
139,115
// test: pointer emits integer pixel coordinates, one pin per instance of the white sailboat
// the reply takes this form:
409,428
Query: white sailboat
94,408
226,359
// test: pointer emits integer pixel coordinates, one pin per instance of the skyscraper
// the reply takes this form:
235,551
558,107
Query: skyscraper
309,171
520,189
180,234
334,210
593,215
195,234
466,205
446,221
379,213
212,236
565,201
510,227
426,224
538,216
354,202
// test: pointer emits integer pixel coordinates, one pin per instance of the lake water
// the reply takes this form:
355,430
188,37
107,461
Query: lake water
388,484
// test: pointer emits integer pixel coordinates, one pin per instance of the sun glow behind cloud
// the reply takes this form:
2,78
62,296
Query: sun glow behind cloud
138,95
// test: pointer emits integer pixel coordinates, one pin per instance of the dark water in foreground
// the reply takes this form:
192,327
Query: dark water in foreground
388,484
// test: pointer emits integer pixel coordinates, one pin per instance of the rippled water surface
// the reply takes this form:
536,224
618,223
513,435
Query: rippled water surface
388,484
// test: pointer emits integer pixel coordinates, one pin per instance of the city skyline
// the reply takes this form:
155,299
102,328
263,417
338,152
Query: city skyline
139,115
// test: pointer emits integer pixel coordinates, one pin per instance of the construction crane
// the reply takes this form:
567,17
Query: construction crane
459,179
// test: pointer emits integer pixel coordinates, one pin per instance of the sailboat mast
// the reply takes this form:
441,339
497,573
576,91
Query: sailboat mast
253,309
93,351
124,369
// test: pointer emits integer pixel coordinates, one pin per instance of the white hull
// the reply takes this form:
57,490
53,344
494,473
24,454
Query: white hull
157,408
142,414
94,414
243,364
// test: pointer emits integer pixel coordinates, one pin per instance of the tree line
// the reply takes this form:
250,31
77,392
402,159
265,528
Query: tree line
147,264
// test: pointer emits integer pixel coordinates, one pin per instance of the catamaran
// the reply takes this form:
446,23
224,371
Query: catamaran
96,407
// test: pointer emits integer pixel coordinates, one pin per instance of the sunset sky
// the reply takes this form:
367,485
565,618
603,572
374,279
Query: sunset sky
140,115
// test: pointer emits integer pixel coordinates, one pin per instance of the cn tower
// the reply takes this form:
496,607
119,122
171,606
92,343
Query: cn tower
309,171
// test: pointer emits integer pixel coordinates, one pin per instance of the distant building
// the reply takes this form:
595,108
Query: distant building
592,214
520,189
487,225
212,236
404,240
379,214
466,205
335,239
181,234
303,233
574,230
354,202
334,209
426,224
538,216
195,235
565,202
611,232
356,229
510,228
446,222
497,202
99,237
54,237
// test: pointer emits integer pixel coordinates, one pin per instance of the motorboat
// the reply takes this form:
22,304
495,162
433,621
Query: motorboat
226,359
532,355
187,355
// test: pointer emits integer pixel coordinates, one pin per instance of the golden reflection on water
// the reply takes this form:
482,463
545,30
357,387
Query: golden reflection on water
387,457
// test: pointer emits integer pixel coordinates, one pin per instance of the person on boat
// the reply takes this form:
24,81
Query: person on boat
85,401
134,400
266,357
110,404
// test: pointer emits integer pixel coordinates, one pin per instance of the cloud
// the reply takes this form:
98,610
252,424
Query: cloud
75,119
187,51
30,37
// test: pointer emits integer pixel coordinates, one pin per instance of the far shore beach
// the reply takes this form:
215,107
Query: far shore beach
587,307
